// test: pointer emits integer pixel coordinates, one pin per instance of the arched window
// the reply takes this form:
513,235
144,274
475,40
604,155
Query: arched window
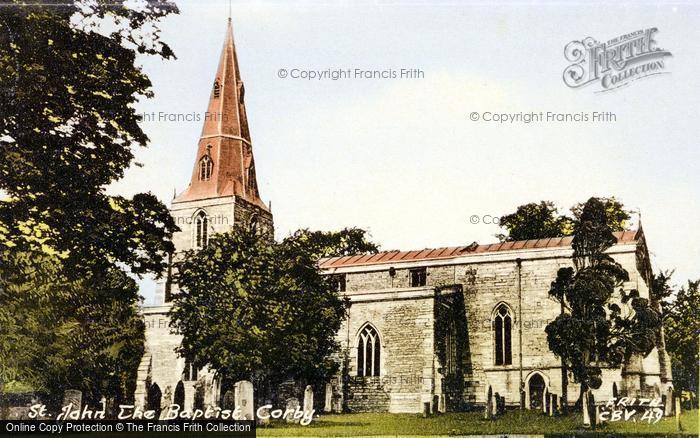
206,165
201,233
502,325
368,352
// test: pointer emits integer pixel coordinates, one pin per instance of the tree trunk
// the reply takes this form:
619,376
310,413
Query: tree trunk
564,380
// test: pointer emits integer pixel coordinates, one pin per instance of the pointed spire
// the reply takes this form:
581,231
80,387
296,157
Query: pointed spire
224,165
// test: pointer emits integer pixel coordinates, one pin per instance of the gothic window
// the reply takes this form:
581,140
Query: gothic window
368,352
205,168
217,88
418,277
189,374
502,324
201,232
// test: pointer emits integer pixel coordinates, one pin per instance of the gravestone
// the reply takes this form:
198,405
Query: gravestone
74,397
292,406
500,404
552,405
668,403
586,411
328,405
165,402
545,401
264,418
308,398
487,406
244,400
229,401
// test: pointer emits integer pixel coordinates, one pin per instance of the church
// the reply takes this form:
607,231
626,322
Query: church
439,328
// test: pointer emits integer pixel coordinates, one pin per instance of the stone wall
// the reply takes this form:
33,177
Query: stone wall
404,321
487,280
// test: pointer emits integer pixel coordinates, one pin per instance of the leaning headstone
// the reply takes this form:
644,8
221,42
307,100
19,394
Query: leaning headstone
668,404
292,407
73,397
308,398
244,400
328,405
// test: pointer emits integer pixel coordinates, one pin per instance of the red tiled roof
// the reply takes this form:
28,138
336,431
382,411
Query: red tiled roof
457,251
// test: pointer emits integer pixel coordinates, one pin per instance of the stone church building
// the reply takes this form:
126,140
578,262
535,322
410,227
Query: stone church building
441,326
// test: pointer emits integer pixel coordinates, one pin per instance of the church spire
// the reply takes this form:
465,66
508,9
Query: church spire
224,165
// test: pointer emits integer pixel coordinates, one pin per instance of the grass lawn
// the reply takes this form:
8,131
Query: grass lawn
526,422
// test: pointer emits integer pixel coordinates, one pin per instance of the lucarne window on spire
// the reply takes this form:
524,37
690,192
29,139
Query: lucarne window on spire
205,168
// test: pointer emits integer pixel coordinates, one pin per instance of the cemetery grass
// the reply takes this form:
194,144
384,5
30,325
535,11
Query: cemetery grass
514,421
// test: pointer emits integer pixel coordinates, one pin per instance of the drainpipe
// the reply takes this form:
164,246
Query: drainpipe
518,263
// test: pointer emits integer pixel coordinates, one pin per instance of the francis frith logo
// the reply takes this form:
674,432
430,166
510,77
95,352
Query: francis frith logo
616,62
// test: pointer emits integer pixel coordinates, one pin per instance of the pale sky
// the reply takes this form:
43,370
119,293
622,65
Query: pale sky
401,157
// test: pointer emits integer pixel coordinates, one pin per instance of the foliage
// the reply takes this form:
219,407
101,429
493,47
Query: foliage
58,334
542,220
534,221
255,309
681,328
597,328
348,241
68,127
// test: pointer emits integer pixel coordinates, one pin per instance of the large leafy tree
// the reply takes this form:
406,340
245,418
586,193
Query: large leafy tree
681,324
542,220
534,221
251,308
601,324
69,128
348,241
57,334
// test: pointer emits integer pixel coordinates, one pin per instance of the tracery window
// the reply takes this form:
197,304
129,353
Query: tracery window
368,352
502,327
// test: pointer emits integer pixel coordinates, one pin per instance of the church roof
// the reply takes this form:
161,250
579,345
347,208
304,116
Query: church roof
225,139
459,251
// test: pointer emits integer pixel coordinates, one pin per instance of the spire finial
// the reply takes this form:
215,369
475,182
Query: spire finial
229,11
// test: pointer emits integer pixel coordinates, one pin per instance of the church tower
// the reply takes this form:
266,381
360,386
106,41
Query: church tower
223,190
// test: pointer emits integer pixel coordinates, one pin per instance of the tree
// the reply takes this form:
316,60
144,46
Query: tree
542,220
68,127
534,221
616,216
681,328
348,241
58,334
597,328
270,314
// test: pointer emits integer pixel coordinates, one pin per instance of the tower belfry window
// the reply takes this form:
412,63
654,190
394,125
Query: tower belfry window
206,165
